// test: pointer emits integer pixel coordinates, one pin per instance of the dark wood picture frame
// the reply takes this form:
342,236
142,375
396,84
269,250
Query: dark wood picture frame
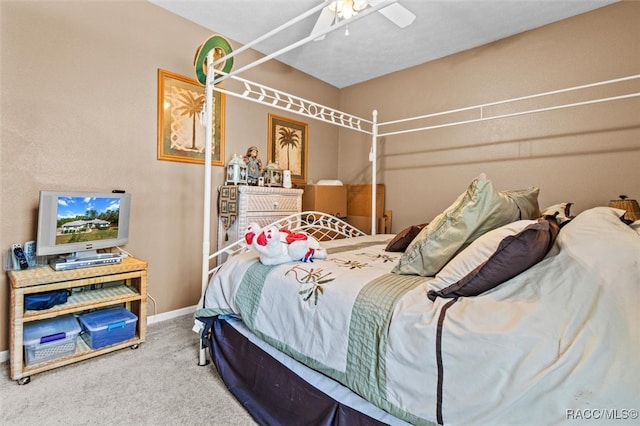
287,145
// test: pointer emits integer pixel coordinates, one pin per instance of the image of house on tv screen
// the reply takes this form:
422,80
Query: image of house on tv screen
87,219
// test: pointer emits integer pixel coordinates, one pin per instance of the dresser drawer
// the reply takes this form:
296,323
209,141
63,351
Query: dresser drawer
272,203
261,220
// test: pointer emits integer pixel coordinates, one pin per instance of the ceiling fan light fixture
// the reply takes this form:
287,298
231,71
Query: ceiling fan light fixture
358,5
346,9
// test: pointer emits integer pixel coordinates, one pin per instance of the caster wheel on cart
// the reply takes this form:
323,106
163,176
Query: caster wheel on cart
136,346
24,380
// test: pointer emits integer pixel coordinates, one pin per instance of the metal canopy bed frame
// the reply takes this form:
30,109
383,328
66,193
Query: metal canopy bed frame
274,98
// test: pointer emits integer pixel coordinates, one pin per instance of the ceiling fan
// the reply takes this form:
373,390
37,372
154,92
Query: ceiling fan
345,9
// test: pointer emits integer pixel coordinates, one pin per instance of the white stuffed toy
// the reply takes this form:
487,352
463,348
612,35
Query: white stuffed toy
277,246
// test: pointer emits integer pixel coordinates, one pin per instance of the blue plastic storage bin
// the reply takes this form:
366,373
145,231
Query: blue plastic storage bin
107,327
50,338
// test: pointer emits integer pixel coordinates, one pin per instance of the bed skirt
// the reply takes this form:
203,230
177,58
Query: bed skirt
274,394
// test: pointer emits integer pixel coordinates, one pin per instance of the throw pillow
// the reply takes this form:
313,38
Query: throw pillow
496,257
476,211
402,240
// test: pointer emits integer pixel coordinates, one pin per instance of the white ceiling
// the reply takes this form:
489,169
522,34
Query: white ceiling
375,46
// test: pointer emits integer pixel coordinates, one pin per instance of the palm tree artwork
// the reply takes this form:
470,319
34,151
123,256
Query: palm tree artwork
186,107
288,139
189,104
287,146
181,134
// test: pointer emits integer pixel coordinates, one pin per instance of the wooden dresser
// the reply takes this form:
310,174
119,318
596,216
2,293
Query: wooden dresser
242,204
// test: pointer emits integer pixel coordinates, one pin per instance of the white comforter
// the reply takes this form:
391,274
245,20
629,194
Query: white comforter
559,342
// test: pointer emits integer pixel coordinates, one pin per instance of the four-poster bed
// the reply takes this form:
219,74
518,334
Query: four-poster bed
357,339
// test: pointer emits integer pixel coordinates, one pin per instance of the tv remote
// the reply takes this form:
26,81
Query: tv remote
19,257
30,253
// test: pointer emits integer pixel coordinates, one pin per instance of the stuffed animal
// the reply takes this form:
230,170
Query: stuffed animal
251,232
277,246
302,246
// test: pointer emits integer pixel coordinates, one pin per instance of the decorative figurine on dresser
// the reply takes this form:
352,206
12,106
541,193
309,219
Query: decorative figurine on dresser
254,165
236,171
273,174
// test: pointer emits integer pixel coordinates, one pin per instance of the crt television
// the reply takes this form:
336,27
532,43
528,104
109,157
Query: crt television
78,224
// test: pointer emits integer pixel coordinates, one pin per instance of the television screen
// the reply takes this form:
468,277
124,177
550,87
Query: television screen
81,223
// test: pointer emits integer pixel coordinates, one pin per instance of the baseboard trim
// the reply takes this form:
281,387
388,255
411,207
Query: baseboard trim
4,355
152,319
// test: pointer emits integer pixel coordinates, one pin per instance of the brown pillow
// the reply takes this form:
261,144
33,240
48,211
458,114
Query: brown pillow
515,253
402,240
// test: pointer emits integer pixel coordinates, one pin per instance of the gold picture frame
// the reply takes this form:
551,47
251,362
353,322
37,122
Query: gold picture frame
287,145
181,137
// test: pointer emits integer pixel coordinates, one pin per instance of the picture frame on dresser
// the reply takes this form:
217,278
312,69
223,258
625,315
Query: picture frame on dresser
287,145
180,135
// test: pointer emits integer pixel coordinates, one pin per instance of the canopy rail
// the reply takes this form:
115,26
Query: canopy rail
274,98
482,107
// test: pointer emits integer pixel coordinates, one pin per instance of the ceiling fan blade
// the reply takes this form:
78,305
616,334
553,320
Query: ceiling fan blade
398,14
324,21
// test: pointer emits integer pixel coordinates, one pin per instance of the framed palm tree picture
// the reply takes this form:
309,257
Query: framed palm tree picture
287,146
181,137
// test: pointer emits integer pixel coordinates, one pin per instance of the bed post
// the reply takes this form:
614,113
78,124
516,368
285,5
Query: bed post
206,222
373,157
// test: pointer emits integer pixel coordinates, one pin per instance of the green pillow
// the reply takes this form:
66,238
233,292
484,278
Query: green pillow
476,211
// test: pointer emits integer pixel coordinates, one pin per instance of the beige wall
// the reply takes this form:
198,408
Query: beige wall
78,112
586,155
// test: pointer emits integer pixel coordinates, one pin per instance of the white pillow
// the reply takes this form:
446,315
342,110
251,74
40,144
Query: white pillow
476,254
495,257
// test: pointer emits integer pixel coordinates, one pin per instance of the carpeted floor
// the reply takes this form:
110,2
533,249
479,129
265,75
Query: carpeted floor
160,383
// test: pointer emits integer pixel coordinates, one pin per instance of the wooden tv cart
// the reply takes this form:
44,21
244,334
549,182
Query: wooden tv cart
95,287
